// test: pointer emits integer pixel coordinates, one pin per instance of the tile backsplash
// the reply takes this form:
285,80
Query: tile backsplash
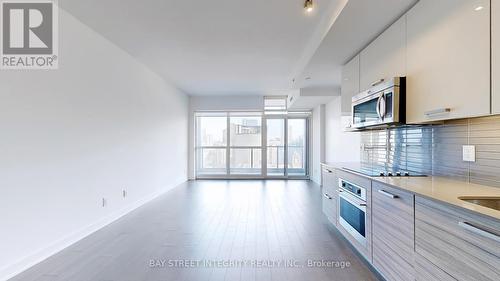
437,149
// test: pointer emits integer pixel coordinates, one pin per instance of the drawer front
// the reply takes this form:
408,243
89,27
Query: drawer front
329,193
393,232
330,207
328,180
427,271
461,243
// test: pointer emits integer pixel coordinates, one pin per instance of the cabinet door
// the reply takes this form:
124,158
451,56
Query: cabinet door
329,195
384,58
393,232
350,84
427,271
495,52
464,245
448,60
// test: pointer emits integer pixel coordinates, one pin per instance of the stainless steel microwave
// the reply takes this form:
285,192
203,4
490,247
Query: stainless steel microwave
383,104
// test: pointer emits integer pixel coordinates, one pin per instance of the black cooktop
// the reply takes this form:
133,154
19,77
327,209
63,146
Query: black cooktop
373,172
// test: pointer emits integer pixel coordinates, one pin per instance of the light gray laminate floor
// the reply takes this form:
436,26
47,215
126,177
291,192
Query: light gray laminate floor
212,221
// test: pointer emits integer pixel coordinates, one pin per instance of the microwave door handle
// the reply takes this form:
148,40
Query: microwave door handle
379,101
383,106
378,108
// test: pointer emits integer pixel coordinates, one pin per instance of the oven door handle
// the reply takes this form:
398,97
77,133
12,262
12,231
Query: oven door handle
353,201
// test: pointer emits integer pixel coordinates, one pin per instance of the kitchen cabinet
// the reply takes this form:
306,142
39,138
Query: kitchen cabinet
329,195
350,84
427,271
385,57
393,232
464,245
495,53
448,60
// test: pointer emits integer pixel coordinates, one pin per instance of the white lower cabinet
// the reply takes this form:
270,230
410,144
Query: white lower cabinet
329,195
393,232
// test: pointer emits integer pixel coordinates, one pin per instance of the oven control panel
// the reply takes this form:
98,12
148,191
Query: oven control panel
355,190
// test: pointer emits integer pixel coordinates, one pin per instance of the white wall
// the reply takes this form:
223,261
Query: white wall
217,103
100,124
318,142
339,145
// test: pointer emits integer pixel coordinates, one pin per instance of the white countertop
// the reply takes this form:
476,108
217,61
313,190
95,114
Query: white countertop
437,188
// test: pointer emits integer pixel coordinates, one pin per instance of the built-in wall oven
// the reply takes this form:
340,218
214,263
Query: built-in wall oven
383,104
352,210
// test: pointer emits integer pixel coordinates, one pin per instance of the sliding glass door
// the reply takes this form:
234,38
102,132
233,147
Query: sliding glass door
251,145
275,135
297,147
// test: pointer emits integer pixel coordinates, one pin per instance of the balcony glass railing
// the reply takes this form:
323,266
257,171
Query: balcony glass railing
248,160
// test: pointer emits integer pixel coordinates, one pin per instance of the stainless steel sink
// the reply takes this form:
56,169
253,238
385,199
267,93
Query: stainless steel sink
488,202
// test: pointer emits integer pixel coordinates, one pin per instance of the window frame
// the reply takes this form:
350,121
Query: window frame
306,115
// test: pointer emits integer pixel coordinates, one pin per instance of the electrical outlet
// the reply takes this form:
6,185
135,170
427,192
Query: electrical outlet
469,153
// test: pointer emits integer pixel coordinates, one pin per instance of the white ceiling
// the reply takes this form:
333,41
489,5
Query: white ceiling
213,47
359,23
234,47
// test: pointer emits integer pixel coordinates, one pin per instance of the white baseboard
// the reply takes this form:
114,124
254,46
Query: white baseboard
21,265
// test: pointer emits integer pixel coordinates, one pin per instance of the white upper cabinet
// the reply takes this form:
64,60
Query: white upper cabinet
385,57
350,84
448,60
495,60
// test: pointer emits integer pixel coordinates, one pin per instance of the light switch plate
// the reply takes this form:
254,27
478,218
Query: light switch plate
469,153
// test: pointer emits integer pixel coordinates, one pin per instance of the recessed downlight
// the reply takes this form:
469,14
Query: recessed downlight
478,8
309,6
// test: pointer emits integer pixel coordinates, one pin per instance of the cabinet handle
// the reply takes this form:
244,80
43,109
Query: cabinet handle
481,230
387,194
437,111
375,83
328,196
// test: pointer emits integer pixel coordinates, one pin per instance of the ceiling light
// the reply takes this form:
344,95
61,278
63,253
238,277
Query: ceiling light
478,8
309,6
